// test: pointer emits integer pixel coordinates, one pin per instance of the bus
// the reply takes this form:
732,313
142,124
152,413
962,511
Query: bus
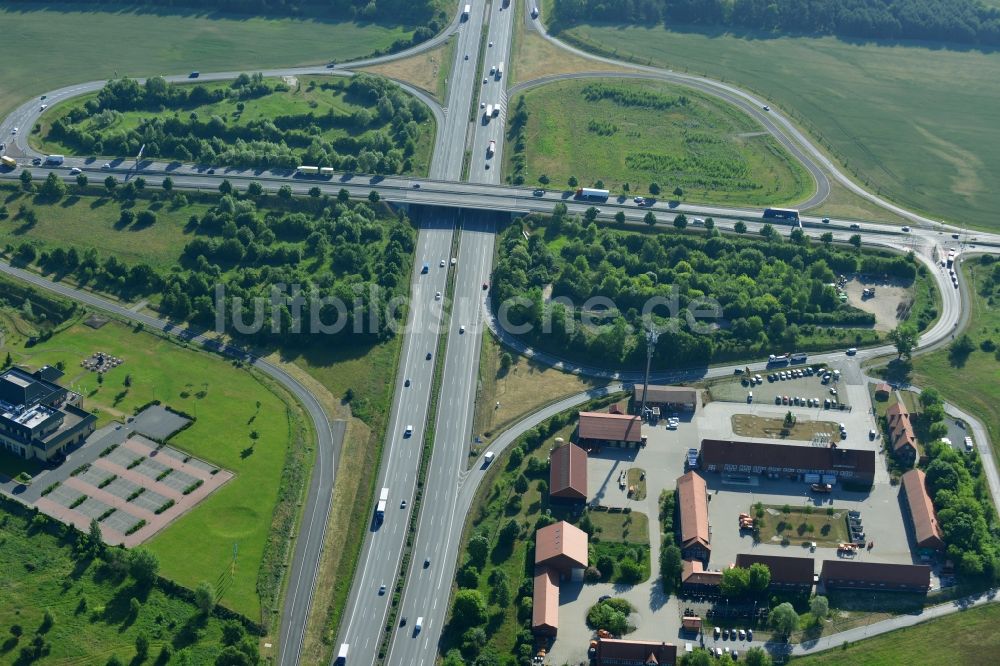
308,170
789,215
326,171
8,161
591,193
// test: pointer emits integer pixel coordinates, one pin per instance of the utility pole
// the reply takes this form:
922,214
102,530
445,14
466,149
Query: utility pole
651,337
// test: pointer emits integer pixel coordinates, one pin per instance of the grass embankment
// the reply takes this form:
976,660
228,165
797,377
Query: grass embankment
968,637
522,387
230,406
643,132
971,380
910,122
428,70
89,605
167,41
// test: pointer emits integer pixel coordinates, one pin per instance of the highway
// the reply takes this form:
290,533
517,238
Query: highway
443,204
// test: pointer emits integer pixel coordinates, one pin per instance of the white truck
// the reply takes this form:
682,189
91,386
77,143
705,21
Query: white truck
499,71
54,159
342,655
492,148
489,112
383,499
465,12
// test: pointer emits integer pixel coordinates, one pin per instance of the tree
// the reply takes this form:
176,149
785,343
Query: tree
285,192
114,660
509,532
629,571
468,609
855,240
373,196
572,182
141,646
167,184
25,180
143,565
343,196
930,396
82,181
521,484
735,582
767,231
232,632
757,656
255,189
620,217
590,214
649,219
226,187
670,565
53,188
315,192
904,337
819,606
784,620
110,184
740,227
654,188
681,221
134,607
678,192
610,616
709,223
94,534
479,546
758,577
204,597
698,657
827,238
543,179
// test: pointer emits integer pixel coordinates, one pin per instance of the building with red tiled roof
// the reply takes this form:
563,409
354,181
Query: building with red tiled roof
624,652
568,473
901,437
694,578
561,546
787,573
882,391
855,466
923,518
545,602
692,500
875,576
599,429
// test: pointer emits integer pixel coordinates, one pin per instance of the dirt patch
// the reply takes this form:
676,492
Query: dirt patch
422,70
290,81
534,58
890,305
636,480
747,425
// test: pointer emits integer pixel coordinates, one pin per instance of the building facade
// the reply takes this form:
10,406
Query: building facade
832,464
38,418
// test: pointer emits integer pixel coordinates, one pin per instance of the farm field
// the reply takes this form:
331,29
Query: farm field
909,121
641,132
172,42
89,606
229,405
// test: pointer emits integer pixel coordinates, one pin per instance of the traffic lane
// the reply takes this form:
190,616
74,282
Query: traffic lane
484,165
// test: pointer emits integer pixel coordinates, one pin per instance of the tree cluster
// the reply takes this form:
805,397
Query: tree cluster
963,21
380,134
772,295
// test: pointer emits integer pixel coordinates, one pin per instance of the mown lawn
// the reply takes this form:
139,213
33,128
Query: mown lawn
967,637
229,404
106,41
915,123
666,134
89,607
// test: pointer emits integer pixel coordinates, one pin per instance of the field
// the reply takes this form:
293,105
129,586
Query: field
228,404
911,122
967,637
428,70
89,607
170,41
92,222
972,381
640,132
798,527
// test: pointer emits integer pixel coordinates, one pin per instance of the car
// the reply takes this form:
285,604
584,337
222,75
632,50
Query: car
211,171
735,655
427,562
14,131
485,80
466,56
597,210
718,653
416,186
194,75
766,107
437,295
851,351
486,286
425,268
428,356
482,105
826,220
855,226
749,634
461,329
872,434
406,382
106,165
402,505
381,589
717,632
441,264
408,432
603,597
777,399
906,230
36,160
3,147
491,43
725,634
74,171
743,634
538,192
493,69
638,200
43,107
954,236
454,260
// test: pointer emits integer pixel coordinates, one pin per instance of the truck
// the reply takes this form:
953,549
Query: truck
342,654
465,12
592,193
491,148
489,112
308,170
54,159
778,359
8,161
499,71
383,499
798,357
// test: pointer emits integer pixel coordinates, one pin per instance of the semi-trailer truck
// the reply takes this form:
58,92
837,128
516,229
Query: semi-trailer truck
55,159
592,193
465,12
383,500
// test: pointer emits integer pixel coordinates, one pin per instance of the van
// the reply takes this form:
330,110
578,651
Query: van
342,654
852,351
419,625
488,458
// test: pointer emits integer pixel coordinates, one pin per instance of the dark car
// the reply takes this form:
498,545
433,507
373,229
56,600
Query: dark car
406,383
428,356
603,597
194,75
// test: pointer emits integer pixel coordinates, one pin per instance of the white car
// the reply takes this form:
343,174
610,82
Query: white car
482,105
437,296
638,200
441,264
493,69
408,431
43,107
454,261
106,165
402,505
491,43
14,131
766,107
74,171
461,329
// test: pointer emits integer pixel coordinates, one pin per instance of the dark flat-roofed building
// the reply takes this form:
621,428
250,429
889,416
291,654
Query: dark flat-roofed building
694,578
923,518
875,576
788,460
624,652
692,500
545,602
666,397
561,546
38,418
568,473
787,573
901,436
599,429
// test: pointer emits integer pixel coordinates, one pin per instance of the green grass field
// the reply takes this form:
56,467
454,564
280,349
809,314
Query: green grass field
915,124
972,383
90,609
91,222
713,151
305,96
121,41
224,400
967,637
